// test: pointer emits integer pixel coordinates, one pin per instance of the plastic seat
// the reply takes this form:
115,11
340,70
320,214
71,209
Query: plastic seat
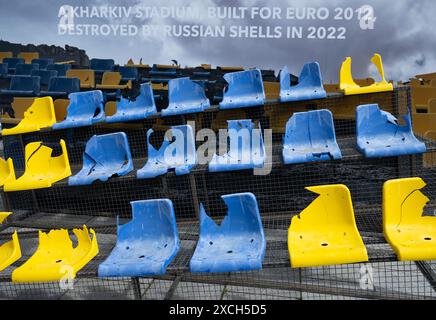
45,76
10,251
28,56
347,84
245,89
86,77
12,62
43,63
246,149
185,96
128,73
85,109
42,170
61,87
111,81
40,115
5,55
411,235
168,70
143,106
380,135
3,70
23,86
22,69
179,154
56,259
102,65
60,68
325,233
237,244
7,172
105,156
310,137
147,244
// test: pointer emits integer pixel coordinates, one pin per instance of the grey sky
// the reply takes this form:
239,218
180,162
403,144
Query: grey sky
404,35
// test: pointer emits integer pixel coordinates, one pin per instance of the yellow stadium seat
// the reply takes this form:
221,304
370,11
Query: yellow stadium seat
28,56
5,55
9,251
423,122
325,233
411,235
86,77
111,81
334,87
3,216
41,114
19,105
350,87
42,170
7,172
56,258
422,97
272,90
60,107
231,69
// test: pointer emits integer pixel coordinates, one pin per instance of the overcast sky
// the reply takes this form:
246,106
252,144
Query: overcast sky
404,34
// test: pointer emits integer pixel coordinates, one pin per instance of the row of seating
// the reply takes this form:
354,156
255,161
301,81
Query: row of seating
30,86
310,137
324,233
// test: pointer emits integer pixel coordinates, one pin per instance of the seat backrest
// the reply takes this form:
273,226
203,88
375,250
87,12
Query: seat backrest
25,83
45,75
102,64
3,69
12,62
62,84
43,63
28,56
128,72
111,78
86,76
60,68
4,55
22,69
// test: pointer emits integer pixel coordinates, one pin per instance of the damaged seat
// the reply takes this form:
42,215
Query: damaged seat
309,86
237,244
141,108
380,135
185,96
176,153
56,258
40,115
245,151
7,172
325,233
85,109
23,86
347,84
411,235
244,89
147,244
105,156
10,251
42,170
310,137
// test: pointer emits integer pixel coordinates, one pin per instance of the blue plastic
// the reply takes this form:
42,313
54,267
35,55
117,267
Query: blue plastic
44,75
102,65
166,72
246,149
23,86
310,137
128,73
85,109
3,70
43,63
143,107
105,156
309,86
147,244
380,135
179,154
245,89
185,96
238,244
156,80
12,62
22,69
61,87
60,68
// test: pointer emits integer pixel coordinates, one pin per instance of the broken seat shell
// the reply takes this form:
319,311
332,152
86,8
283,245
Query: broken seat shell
105,156
10,251
325,233
237,244
147,244
7,172
411,235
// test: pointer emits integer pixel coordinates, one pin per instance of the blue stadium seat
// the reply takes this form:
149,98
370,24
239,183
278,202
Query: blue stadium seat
3,70
22,69
45,76
165,72
128,73
12,62
102,65
60,68
43,63
145,245
23,86
61,87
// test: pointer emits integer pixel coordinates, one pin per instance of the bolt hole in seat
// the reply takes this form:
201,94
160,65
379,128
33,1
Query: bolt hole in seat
237,244
147,244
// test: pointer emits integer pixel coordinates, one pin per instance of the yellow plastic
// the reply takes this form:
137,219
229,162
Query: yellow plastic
7,54
41,114
42,170
55,258
28,56
325,233
9,251
3,216
111,80
348,85
86,77
411,235
7,172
